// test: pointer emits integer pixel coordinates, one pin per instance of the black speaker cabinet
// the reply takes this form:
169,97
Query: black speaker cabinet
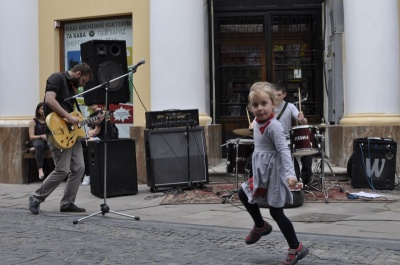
176,157
107,59
121,168
374,163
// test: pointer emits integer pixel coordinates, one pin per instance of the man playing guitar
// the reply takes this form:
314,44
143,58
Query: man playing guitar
69,162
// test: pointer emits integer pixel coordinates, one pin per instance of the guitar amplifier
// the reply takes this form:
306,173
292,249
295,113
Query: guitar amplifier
172,118
374,163
176,157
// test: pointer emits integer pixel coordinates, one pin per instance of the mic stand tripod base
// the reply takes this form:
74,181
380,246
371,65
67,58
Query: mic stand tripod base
105,209
230,196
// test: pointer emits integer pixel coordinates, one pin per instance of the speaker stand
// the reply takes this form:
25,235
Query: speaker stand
179,190
188,155
104,207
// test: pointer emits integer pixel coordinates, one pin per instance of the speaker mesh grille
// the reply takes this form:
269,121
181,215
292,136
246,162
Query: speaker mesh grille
107,72
172,161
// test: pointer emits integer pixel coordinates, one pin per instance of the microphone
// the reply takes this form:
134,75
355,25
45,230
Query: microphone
142,61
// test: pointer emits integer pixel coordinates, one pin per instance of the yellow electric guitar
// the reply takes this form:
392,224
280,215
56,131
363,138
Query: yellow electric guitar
64,134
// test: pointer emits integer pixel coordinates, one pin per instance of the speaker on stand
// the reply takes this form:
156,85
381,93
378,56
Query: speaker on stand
111,76
107,59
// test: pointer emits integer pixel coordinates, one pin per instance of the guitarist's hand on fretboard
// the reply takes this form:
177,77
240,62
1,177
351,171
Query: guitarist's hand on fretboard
66,131
72,119
101,118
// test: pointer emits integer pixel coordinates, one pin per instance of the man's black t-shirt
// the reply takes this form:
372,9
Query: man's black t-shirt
61,85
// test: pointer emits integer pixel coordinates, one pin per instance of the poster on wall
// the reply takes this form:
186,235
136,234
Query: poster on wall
76,33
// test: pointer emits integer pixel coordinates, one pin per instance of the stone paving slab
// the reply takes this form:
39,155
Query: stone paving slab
110,239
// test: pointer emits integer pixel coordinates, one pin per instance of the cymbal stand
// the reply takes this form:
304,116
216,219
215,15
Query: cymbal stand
230,195
318,181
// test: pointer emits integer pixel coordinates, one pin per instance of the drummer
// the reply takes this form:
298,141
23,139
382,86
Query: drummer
287,112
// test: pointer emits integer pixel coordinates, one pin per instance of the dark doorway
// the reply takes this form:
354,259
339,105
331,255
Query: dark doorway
274,41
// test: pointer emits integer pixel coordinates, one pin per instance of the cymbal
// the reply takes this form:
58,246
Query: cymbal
244,132
324,125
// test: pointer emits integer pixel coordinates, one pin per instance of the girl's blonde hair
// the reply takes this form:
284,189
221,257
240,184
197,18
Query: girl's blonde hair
264,87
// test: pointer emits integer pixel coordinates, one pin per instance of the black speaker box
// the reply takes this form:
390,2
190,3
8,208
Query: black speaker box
121,168
176,157
374,163
108,60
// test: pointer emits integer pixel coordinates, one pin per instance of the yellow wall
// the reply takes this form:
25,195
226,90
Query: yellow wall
61,10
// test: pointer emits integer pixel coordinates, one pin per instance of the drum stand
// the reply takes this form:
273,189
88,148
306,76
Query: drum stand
318,181
230,195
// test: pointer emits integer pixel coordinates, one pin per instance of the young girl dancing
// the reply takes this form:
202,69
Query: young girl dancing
273,173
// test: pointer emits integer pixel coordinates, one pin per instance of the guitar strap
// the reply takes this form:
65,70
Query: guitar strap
282,111
44,110
77,105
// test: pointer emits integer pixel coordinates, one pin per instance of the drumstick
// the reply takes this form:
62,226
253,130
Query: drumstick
299,100
248,116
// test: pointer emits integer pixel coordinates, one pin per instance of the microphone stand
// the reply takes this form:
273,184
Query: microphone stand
104,208
188,154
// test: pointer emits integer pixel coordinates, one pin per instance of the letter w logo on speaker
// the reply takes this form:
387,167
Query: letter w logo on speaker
375,169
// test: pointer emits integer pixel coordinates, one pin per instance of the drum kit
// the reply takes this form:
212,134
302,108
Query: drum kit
304,140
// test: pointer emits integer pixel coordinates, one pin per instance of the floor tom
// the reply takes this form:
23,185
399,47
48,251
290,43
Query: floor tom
238,152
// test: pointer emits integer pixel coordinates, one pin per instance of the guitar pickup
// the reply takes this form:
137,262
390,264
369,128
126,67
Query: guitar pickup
58,131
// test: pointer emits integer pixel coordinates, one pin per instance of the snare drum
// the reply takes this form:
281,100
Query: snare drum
238,150
303,140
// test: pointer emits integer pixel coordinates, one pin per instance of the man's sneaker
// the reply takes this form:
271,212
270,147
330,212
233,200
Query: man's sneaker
72,208
294,255
33,205
86,180
256,233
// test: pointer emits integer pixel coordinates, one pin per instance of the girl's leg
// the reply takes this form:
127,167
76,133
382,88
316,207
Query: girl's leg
297,251
286,226
253,209
261,227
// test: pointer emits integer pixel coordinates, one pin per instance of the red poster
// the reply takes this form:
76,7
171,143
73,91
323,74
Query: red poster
122,113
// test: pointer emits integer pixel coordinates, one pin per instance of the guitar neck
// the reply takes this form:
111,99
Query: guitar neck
92,119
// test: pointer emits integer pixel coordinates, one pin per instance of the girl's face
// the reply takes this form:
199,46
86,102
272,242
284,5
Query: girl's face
41,111
261,105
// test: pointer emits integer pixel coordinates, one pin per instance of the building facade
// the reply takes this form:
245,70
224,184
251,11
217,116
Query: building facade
339,57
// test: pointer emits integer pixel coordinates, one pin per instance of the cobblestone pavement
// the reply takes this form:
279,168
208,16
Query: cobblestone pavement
112,239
